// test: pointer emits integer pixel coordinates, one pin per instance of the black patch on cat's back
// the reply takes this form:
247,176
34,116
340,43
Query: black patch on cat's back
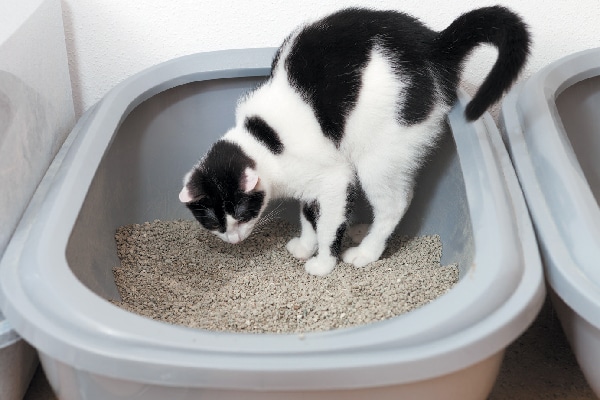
327,58
324,65
263,132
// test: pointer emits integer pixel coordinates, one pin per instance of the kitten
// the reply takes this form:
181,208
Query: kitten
357,98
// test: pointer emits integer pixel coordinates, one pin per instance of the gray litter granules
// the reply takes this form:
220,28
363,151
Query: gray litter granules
176,272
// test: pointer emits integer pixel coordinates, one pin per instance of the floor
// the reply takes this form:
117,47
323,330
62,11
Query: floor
538,366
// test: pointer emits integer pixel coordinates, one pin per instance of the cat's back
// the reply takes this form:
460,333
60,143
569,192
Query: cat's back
324,61
327,44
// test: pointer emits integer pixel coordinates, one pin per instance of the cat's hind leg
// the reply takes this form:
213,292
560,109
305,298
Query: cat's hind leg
304,246
390,195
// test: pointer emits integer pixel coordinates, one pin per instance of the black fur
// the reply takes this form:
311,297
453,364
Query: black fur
263,132
327,58
311,213
497,26
325,64
336,246
217,188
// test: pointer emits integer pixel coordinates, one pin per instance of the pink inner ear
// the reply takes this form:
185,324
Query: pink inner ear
250,179
184,195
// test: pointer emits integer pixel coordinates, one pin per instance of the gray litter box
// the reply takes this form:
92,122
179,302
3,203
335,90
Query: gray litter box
552,126
123,164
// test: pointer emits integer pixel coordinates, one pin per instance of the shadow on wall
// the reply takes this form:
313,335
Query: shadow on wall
25,148
5,112
74,70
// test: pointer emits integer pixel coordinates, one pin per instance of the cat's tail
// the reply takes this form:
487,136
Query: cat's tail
499,27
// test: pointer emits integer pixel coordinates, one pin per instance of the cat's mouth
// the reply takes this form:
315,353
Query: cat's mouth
231,237
236,233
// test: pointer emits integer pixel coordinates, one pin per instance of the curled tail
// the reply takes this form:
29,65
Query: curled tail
497,26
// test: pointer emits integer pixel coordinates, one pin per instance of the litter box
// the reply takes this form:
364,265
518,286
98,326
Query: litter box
123,164
552,126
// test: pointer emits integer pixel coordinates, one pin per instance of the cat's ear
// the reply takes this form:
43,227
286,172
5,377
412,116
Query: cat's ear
249,180
185,196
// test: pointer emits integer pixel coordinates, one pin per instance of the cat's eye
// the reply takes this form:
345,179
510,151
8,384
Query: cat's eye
211,224
240,211
245,218
209,219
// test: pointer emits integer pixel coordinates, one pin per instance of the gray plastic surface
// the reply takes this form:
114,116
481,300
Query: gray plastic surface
552,126
123,163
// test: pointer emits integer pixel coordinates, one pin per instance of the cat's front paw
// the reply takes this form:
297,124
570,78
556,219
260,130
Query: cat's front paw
359,257
299,249
320,265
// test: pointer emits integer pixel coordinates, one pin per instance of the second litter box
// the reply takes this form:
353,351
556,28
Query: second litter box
552,126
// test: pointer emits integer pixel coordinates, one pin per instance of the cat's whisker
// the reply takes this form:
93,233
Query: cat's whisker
268,218
262,222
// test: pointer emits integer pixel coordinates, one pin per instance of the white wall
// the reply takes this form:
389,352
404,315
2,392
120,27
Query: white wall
109,40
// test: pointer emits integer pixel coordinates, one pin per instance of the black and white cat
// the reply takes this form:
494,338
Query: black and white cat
356,98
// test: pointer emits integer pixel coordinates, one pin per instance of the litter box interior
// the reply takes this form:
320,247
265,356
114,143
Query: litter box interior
140,176
578,107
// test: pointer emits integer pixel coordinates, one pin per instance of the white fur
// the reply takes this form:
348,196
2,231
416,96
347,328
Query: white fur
236,232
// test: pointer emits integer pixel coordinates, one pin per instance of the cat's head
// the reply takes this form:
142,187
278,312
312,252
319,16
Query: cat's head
223,192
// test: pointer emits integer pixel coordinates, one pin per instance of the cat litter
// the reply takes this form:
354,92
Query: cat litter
176,272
